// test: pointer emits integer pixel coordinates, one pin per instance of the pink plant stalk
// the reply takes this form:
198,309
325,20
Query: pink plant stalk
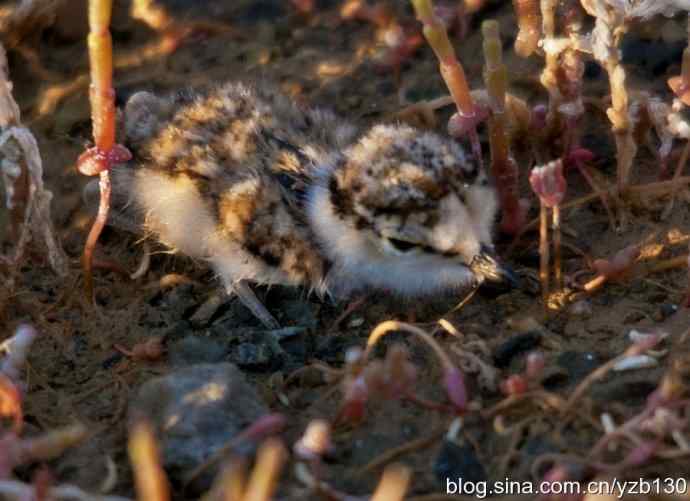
394,483
517,384
613,269
263,480
16,451
264,427
105,153
149,476
453,379
529,28
466,119
503,166
550,186
355,398
393,378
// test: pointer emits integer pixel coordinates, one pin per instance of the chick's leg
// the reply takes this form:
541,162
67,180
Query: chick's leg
249,299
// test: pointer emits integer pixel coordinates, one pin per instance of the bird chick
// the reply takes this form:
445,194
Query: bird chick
269,192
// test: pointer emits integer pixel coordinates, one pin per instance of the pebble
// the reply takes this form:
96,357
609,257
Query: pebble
297,312
633,317
203,315
356,322
253,356
258,349
175,303
192,350
582,308
664,311
632,387
195,411
458,461
578,364
515,345
331,349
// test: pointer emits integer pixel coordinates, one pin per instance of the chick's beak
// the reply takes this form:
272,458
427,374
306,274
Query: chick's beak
487,267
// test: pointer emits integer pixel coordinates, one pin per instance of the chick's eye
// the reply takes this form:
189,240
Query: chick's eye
402,245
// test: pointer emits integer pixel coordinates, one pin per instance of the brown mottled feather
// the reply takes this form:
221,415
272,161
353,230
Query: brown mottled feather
270,191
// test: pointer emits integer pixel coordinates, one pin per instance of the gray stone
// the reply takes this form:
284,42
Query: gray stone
253,356
298,312
578,364
192,350
203,315
195,411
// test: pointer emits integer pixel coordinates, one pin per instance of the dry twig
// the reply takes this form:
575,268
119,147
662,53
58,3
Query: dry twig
22,174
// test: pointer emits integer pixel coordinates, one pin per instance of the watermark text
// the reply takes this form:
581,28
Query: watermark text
614,486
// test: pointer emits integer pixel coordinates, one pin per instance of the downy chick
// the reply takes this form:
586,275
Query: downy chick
269,192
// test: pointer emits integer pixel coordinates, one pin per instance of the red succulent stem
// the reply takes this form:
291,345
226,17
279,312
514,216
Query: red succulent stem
105,153
95,232
513,211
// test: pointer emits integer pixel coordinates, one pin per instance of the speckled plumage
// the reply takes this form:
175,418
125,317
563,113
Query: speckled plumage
271,192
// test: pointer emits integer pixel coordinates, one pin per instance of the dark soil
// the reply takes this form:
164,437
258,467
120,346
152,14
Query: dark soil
76,374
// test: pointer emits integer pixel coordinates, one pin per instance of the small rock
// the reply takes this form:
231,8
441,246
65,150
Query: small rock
524,324
178,302
193,350
297,312
195,411
202,316
664,311
491,290
554,378
458,463
633,317
255,348
631,388
331,349
535,445
582,308
297,348
578,364
355,322
515,345
237,315
252,356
